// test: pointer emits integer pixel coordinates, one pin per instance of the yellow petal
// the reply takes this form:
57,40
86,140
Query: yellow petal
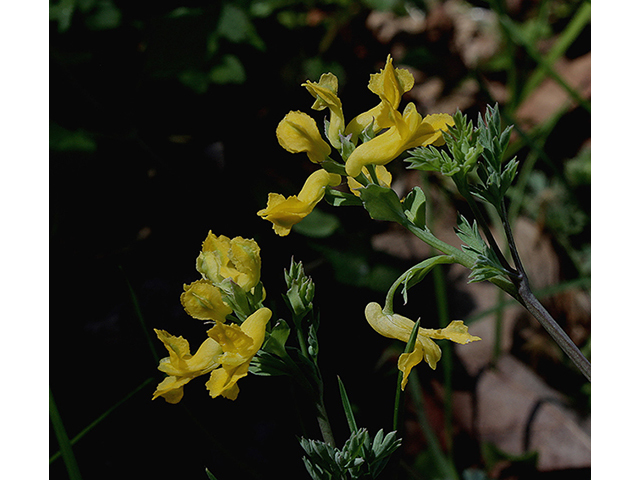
223,381
222,258
390,84
246,339
430,130
325,92
286,212
182,367
384,178
430,349
387,146
245,256
456,331
203,300
407,361
298,132
171,389
231,338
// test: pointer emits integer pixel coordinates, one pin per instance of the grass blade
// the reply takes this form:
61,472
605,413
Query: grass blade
63,440
351,419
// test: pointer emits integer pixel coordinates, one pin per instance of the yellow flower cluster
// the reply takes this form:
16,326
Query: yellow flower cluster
395,132
229,348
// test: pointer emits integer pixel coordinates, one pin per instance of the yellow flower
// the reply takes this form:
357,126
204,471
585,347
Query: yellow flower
239,344
237,258
390,84
325,92
182,367
406,130
284,213
384,177
203,300
399,327
298,132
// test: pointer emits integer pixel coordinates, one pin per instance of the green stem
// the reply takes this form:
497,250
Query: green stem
444,466
440,287
63,440
93,424
459,256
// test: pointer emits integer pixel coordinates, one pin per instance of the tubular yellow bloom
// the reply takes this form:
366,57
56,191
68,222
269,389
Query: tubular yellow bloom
406,130
390,84
399,327
284,213
237,258
325,92
298,132
384,177
182,367
239,344
203,300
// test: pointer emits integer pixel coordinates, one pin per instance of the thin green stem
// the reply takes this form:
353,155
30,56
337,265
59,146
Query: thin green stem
444,466
63,440
442,305
409,347
140,317
93,424
459,256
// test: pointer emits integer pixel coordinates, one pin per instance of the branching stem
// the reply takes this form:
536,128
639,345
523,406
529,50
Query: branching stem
533,305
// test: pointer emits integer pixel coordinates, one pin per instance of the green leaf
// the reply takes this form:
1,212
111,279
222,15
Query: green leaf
64,140
318,224
470,235
415,207
277,339
341,199
265,364
235,25
236,298
346,405
210,475
230,70
426,159
382,203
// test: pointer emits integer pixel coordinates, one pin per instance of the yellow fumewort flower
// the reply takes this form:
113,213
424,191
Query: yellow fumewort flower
182,367
203,300
384,178
284,213
406,130
239,344
399,327
390,84
222,258
298,132
325,92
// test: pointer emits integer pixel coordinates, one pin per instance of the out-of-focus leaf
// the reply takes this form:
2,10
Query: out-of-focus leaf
61,139
318,224
230,70
235,25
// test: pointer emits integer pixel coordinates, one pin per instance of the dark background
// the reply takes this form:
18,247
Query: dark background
162,127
